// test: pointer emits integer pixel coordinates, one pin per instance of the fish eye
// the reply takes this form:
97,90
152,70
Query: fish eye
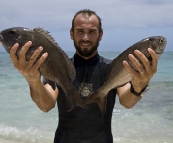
161,40
12,32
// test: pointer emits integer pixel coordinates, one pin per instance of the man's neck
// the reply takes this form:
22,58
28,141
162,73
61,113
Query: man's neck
82,62
87,57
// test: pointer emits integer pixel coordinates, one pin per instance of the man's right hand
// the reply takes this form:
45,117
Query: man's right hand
29,69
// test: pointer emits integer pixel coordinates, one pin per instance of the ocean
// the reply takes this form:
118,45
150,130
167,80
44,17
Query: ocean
149,121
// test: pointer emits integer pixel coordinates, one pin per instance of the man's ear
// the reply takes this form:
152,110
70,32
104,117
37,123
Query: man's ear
71,34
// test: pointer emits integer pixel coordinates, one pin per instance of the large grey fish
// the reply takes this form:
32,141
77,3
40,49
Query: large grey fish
117,74
57,67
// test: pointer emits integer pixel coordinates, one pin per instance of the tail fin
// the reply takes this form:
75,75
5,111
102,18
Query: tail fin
73,99
99,98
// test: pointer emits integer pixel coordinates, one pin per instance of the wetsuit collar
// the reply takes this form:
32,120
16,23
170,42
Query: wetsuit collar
79,61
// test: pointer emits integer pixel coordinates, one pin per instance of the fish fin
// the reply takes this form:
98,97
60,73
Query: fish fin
69,65
101,102
69,104
99,98
78,100
74,100
45,34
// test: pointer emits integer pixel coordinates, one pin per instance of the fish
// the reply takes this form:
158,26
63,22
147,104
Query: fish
57,67
118,75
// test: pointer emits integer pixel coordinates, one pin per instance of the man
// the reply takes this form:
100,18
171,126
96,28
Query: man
84,125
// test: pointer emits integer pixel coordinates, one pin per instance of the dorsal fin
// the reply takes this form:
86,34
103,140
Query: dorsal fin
45,34
69,64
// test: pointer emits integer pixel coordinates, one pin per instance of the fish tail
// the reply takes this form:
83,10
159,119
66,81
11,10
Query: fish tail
98,97
74,100
69,103
78,98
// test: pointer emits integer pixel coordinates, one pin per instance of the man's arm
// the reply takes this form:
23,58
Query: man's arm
43,95
140,79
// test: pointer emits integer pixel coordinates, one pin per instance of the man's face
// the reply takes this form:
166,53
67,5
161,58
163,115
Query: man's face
86,35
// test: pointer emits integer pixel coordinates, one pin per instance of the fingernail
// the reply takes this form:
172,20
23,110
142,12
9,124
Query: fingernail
29,42
45,54
40,48
136,51
16,44
130,55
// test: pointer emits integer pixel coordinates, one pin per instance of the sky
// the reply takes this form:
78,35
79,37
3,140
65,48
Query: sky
125,22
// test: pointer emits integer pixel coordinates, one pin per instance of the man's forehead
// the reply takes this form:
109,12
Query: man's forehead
83,19
85,15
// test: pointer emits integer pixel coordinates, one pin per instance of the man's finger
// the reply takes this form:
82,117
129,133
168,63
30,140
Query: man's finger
13,56
145,63
154,61
135,62
40,61
129,68
23,51
34,57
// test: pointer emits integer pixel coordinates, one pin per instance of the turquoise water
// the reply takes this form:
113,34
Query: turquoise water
149,121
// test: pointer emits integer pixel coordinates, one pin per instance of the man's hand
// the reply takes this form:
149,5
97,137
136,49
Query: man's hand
142,78
29,69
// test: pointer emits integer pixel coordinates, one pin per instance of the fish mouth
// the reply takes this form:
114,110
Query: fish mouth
1,38
159,52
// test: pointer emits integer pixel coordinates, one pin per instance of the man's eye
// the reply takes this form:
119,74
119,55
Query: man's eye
92,32
80,31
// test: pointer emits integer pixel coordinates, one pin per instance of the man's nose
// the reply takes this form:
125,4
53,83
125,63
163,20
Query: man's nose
86,37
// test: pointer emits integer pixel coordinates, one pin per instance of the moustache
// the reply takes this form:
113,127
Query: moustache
85,41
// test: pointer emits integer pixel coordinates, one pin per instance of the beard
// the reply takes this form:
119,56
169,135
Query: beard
86,52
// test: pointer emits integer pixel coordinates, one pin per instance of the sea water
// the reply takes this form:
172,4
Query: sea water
149,121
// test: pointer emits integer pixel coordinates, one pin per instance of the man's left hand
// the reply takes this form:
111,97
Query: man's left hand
141,79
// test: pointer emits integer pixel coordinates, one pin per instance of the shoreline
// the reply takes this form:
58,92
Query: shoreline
8,141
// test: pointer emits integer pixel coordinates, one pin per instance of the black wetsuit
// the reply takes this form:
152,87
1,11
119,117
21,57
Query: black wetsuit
86,125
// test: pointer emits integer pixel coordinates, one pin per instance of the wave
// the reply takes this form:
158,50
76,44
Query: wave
31,135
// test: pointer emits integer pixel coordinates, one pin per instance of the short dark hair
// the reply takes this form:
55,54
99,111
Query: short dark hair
89,13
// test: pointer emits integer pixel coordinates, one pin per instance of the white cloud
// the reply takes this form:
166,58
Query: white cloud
124,21
56,14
